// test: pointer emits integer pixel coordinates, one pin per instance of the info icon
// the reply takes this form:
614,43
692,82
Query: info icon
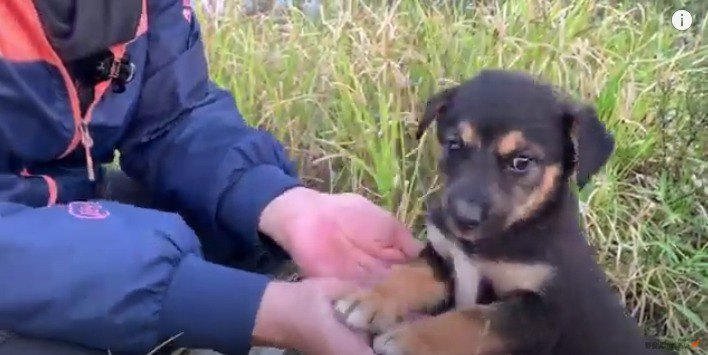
681,20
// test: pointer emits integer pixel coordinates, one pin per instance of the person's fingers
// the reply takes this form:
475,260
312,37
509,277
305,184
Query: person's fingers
410,246
333,336
390,255
350,343
354,272
397,236
389,240
343,339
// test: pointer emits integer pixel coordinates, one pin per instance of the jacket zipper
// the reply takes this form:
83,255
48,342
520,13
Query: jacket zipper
82,133
87,142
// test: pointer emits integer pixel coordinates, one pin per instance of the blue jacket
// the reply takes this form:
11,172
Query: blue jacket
115,276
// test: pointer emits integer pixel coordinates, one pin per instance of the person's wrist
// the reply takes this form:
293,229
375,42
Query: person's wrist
279,216
273,322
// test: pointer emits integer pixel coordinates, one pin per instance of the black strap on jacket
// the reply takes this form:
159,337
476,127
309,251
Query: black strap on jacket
80,31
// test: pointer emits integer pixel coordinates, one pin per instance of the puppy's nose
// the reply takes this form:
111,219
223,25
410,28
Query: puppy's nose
467,213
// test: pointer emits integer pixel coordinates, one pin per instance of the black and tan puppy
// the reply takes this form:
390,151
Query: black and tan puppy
508,223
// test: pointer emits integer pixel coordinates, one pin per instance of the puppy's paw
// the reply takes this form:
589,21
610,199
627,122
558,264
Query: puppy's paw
371,311
396,342
409,288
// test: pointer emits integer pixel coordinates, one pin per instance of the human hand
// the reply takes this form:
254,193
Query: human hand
300,316
338,235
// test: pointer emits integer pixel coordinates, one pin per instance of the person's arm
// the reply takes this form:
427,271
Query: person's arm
118,277
189,145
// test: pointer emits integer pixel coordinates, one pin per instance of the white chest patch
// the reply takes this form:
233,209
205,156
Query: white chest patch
441,244
467,275
467,278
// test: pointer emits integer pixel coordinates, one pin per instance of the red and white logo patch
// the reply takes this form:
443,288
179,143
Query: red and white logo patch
87,210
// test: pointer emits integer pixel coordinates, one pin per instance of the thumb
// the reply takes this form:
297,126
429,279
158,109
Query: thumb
410,246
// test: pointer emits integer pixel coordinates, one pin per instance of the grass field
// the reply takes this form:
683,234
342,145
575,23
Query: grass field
344,90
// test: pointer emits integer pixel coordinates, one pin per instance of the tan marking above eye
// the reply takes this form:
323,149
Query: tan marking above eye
468,134
515,142
537,197
511,142
510,276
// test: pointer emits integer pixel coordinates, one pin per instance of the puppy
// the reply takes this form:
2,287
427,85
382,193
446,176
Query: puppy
507,269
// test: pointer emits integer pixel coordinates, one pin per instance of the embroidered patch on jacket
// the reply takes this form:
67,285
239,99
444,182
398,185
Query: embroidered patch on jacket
87,210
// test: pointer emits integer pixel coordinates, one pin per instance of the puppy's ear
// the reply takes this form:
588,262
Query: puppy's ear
435,107
592,143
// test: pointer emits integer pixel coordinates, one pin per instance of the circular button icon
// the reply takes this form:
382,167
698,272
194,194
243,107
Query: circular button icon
681,20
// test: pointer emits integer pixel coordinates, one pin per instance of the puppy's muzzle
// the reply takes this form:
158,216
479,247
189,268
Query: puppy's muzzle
467,214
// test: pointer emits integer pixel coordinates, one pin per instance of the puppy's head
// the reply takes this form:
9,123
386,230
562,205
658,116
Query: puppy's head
509,143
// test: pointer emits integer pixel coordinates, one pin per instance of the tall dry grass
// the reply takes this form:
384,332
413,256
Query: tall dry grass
343,91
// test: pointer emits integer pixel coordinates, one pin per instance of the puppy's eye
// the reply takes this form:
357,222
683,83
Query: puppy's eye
520,163
453,143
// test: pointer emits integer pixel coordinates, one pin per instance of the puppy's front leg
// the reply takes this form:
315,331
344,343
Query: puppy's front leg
518,324
421,285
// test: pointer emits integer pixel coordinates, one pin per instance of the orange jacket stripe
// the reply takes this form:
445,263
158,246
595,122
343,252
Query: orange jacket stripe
24,40
27,42
118,51
100,89
21,41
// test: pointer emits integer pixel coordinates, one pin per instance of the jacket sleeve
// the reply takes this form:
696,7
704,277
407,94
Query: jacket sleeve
117,277
189,145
